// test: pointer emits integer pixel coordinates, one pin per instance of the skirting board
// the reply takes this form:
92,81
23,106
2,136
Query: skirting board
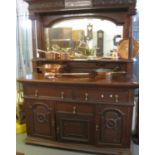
77,147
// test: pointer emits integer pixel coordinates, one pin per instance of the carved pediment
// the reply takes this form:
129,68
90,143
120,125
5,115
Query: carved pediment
43,6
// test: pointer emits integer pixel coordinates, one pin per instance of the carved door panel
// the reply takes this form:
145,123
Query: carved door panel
111,126
40,118
75,127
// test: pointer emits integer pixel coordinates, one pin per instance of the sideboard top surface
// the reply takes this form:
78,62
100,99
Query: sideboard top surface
37,78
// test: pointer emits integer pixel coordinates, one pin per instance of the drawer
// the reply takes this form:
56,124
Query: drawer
48,91
101,95
85,94
75,108
113,96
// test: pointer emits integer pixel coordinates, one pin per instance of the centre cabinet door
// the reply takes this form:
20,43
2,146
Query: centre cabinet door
40,118
75,123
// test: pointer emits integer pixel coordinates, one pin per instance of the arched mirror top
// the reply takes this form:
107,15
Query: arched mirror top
118,18
83,37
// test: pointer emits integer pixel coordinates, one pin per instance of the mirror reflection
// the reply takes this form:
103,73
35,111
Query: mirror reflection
83,38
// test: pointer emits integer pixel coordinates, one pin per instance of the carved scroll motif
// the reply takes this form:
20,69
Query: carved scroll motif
98,2
112,126
41,117
51,4
41,113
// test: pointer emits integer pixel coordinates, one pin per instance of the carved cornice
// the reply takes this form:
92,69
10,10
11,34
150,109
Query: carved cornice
41,6
103,2
47,5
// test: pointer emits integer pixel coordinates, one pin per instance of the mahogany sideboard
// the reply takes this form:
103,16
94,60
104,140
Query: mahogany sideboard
80,114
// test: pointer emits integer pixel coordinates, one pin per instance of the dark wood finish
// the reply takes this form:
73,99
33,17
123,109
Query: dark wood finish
82,114
39,6
75,127
40,118
112,126
71,111
85,65
77,147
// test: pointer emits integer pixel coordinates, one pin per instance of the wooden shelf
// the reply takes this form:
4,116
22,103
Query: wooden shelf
82,60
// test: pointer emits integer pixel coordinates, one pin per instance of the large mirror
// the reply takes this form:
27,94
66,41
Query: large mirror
84,37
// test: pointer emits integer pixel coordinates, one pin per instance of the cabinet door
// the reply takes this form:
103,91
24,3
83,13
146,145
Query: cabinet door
40,118
75,127
113,126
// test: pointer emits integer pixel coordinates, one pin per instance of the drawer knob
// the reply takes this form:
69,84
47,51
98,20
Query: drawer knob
116,98
110,95
97,127
62,95
102,96
74,110
86,96
36,93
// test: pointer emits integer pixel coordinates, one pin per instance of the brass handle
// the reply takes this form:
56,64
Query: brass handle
86,96
97,127
116,98
62,95
110,95
102,96
36,93
74,110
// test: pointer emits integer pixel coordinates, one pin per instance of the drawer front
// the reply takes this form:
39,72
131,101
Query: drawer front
48,91
86,94
75,108
114,96
101,95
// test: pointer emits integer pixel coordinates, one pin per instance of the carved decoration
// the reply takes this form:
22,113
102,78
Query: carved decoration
112,126
41,112
47,5
102,2
41,117
111,123
111,119
53,4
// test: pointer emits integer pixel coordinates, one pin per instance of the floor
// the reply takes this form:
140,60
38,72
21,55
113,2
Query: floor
38,150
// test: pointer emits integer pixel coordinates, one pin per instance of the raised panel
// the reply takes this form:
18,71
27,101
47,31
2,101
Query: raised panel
40,118
112,126
75,128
